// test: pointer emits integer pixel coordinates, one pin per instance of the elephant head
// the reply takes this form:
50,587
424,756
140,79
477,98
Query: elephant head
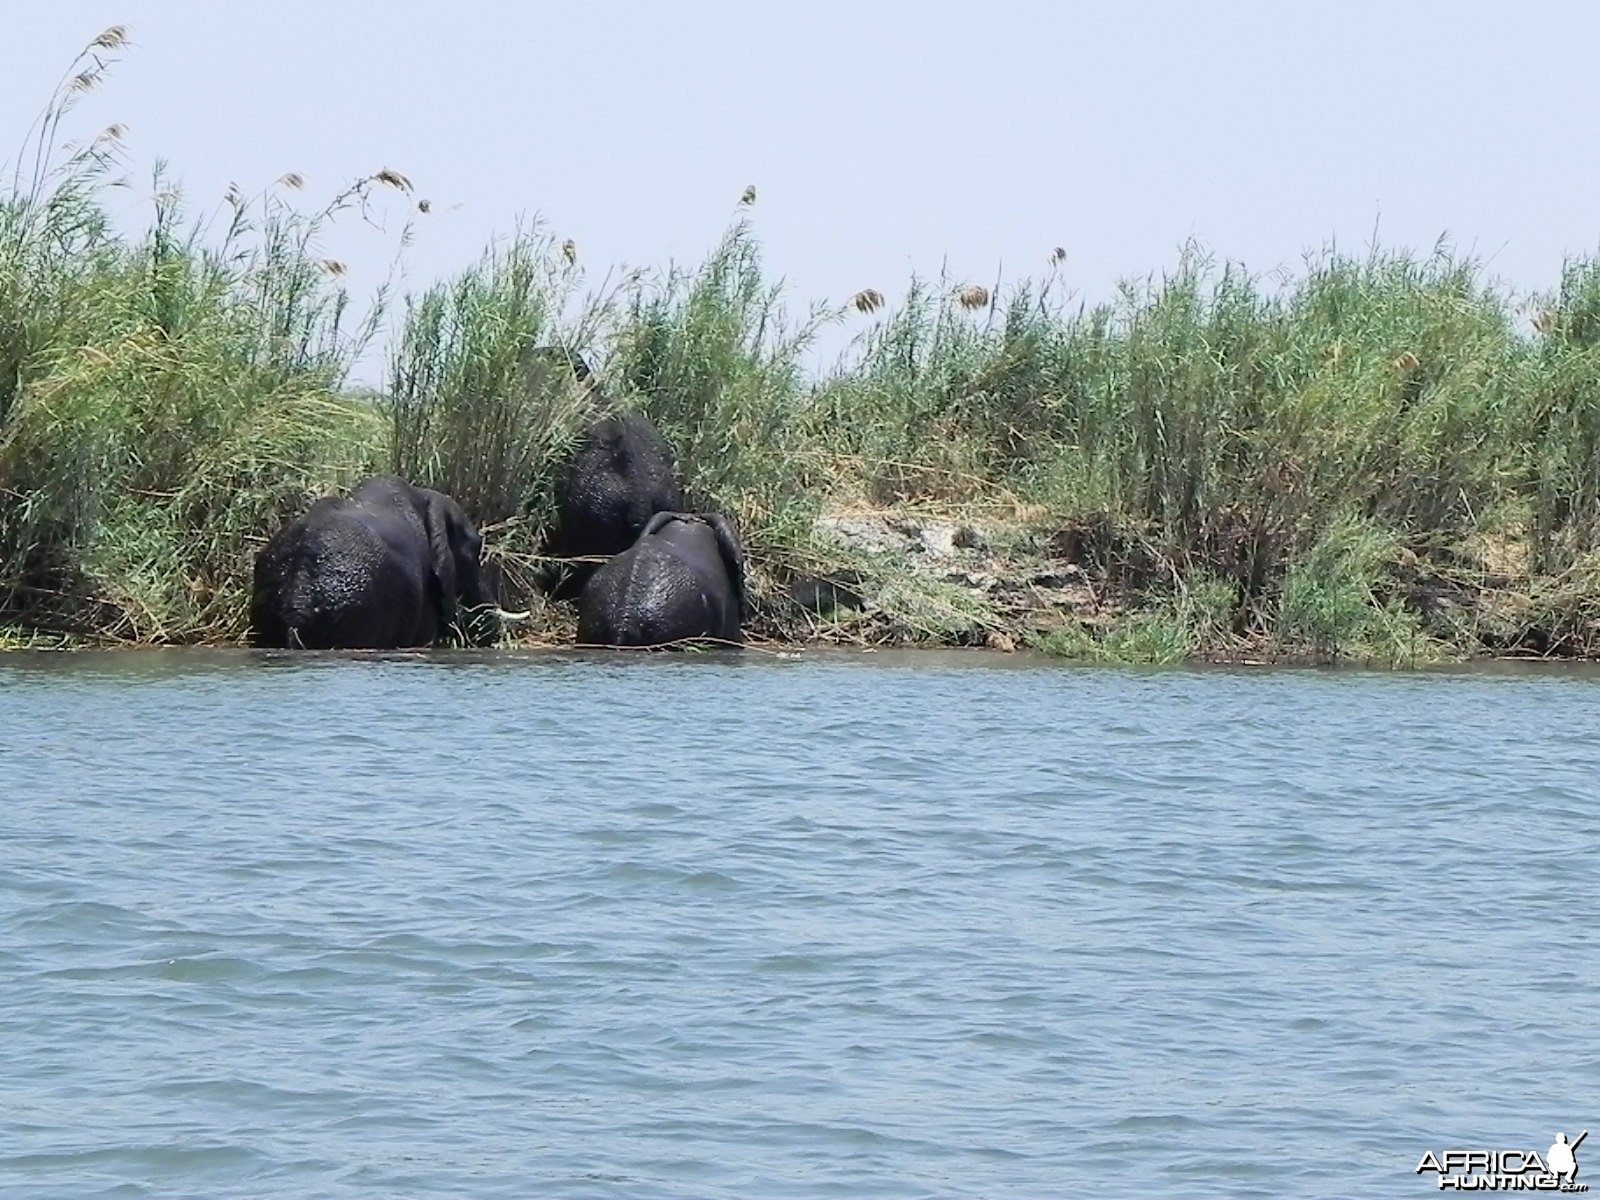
455,547
620,473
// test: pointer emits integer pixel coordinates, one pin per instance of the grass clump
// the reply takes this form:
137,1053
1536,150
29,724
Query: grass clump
1331,601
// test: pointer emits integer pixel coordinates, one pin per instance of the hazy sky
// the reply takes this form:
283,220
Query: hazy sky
883,136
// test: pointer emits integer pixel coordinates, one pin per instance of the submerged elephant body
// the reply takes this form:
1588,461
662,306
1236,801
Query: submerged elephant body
682,579
621,475
383,568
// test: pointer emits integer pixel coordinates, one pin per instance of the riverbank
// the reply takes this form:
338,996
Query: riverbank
1190,490
1385,458
1086,589
1015,579
1265,502
1020,581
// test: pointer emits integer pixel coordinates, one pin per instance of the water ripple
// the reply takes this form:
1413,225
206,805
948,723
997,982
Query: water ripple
570,925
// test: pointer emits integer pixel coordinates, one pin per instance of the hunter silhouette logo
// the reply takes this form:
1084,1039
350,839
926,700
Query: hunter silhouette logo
1562,1159
1509,1170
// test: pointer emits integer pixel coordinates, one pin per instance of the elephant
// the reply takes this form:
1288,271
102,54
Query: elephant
681,580
621,475
386,567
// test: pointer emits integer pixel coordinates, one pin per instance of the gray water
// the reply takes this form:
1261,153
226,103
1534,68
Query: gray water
854,926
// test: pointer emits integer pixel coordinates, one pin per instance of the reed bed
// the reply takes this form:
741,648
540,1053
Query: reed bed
1380,456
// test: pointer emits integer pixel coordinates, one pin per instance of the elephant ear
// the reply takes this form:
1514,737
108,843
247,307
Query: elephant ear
732,550
437,519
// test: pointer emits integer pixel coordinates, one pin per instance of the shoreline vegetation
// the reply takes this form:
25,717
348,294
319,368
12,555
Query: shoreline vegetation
1382,458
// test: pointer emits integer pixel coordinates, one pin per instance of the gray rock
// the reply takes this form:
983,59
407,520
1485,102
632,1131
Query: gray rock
969,537
869,533
978,581
821,594
1060,577
938,538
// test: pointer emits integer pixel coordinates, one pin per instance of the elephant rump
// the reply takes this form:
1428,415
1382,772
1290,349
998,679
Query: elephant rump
330,582
649,596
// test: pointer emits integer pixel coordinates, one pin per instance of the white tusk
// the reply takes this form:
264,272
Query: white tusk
510,616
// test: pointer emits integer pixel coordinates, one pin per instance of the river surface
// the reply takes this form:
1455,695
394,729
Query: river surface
834,926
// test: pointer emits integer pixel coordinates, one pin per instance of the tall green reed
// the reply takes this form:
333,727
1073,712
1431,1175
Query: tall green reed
170,396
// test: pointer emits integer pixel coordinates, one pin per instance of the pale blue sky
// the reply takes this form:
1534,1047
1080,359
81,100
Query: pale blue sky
884,136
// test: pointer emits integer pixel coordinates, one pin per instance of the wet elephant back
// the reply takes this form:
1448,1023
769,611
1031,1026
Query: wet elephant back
658,592
359,579
695,545
620,477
